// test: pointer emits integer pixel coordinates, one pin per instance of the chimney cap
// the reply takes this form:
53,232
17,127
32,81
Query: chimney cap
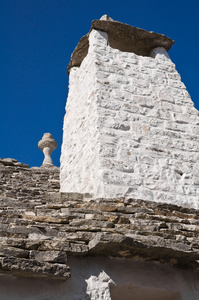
123,37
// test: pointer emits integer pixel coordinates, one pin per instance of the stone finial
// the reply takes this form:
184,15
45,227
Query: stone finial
47,145
106,18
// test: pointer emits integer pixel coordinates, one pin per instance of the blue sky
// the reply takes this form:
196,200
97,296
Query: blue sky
37,39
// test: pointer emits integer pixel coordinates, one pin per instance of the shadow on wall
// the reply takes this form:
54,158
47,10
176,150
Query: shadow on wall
124,279
96,278
127,291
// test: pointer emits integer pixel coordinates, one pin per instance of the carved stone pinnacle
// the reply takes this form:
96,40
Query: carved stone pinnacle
47,145
106,18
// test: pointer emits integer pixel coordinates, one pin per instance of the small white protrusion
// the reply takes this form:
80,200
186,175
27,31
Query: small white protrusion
159,53
98,286
106,18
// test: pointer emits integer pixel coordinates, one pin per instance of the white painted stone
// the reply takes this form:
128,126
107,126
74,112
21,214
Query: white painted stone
130,128
98,287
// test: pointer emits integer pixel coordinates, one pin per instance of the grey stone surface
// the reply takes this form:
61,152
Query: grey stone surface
45,226
33,268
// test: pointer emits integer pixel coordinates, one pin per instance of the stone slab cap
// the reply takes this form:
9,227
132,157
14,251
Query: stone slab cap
121,36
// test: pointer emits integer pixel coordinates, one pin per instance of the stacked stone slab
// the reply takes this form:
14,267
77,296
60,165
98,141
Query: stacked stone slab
130,127
67,245
38,222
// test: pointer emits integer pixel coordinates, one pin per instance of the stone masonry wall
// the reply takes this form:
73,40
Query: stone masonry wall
44,226
20,182
71,239
21,190
130,128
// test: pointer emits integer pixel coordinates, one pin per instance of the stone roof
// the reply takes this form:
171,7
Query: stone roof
40,226
123,37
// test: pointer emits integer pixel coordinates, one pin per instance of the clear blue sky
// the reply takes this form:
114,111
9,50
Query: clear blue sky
37,38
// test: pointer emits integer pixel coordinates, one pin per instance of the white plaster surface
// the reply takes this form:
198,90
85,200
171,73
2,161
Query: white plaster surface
130,128
132,280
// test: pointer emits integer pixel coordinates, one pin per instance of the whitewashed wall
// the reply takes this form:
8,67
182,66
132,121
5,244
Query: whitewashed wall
101,278
130,128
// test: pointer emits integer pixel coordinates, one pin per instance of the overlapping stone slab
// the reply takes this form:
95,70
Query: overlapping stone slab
38,234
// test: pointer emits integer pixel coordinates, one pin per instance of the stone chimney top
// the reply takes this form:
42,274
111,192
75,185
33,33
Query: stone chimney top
123,37
47,145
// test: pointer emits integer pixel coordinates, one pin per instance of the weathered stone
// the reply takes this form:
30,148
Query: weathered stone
12,251
30,267
12,162
49,256
47,145
35,240
123,37
27,184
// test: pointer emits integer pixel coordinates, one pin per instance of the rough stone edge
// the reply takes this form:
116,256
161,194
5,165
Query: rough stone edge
31,268
11,162
115,30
